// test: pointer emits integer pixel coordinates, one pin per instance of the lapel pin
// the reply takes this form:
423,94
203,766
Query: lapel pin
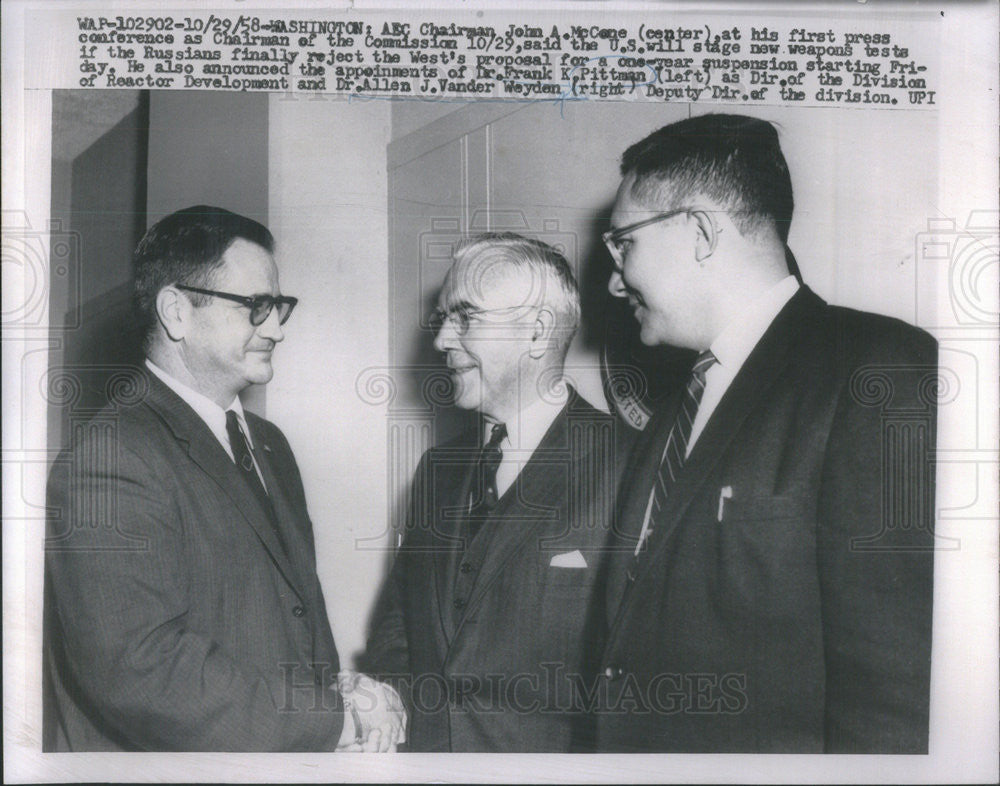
726,492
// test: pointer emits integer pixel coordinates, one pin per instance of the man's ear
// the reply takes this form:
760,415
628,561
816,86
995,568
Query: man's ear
708,235
173,312
542,333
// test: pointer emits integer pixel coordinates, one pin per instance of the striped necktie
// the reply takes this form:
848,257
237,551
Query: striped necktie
677,442
486,468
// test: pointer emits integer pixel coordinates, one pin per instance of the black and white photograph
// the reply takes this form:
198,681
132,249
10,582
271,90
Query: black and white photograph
565,382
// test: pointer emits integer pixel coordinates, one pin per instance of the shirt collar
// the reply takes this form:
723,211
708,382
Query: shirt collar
211,413
526,429
736,341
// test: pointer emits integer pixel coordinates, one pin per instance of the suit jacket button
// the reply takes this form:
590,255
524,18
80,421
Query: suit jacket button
613,673
298,611
459,603
465,567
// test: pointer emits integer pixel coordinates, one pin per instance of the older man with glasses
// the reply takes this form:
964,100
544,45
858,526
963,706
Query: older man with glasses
183,610
489,620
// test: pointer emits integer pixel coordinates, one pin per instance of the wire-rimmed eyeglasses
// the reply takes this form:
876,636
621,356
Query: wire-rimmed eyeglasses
260,305
461,316
616,241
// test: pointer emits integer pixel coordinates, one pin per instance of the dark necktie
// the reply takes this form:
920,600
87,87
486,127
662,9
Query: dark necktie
486,473
675,451
245,464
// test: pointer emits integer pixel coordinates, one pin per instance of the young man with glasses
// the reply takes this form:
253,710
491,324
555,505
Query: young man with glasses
183,610
778,596
489,618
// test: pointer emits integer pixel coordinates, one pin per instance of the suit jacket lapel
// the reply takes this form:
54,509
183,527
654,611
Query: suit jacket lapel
288,518
516,518
640,470
205,451
759,373
452,472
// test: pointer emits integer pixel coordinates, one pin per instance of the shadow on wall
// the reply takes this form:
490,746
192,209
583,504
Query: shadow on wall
121,160
100,150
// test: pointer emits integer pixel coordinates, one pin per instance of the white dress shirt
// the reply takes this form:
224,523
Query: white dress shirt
524,432
731,349
211,413
733,346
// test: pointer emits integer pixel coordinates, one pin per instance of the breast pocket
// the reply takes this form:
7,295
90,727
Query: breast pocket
561,569
563,606
737,505
766,553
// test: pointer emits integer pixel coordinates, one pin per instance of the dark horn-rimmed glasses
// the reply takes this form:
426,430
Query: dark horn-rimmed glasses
260,305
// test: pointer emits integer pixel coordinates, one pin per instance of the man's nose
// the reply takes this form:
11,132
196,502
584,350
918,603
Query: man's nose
270,328
616,286
446,336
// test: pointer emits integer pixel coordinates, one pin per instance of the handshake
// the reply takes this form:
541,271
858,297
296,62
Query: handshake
374,717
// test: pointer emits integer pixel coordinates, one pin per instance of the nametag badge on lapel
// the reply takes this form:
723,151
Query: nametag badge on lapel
726,492
571,559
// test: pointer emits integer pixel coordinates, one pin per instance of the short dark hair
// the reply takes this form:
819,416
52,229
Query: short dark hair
732,159
187,247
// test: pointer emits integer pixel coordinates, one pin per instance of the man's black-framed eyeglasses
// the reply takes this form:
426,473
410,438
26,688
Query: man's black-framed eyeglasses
615,238
260,305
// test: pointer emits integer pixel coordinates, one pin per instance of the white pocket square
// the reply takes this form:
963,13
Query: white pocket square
571,559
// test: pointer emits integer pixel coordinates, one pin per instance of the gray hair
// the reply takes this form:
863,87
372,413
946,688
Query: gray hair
552,282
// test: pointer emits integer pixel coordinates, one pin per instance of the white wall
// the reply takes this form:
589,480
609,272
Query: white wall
327,210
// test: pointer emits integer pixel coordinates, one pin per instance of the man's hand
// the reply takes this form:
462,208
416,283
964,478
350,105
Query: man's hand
379,709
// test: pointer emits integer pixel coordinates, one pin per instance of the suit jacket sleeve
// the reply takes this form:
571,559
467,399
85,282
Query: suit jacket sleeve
151,680
876,591
387,654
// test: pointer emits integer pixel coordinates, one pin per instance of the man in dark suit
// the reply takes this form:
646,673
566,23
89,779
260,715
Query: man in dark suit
491,617
183,610
779,595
